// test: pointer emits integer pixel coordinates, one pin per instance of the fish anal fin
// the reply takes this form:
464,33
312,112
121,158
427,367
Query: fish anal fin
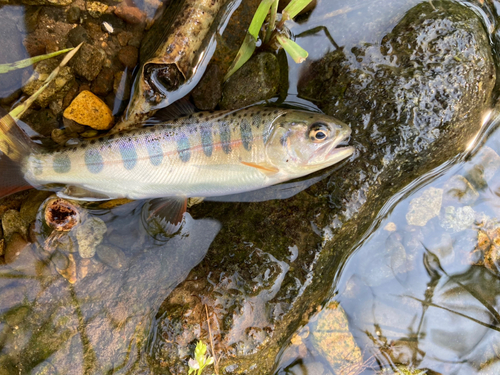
268,170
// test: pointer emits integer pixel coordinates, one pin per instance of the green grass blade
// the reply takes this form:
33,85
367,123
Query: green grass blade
297,53
5,68
294,7
259,18
244,53
17,112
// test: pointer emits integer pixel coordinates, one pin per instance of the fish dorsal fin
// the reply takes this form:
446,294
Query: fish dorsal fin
267,169
82,194
178,109
166,213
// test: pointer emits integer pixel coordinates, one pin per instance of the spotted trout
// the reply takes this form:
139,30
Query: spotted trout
205,154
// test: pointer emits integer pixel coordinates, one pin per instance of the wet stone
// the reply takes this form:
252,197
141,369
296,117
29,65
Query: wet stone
90,234
484,166
88,61
459,190
425,207
43,122
73,14
128,56
15,244
88,109
61,136
458,219
12,222
257,79
95,8
103,84
207,94
78,35
129,14
111,256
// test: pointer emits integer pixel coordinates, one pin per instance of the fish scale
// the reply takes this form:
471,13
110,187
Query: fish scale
200,155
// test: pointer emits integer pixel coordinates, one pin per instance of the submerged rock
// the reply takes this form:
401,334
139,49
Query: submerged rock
412,106
90,234
425,207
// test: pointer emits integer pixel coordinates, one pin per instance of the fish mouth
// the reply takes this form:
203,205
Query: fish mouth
336,150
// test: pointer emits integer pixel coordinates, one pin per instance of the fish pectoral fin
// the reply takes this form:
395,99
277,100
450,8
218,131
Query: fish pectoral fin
267,169
166,212
82,194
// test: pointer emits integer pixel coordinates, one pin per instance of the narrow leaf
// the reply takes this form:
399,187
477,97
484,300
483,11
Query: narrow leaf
259,18
294,7
17,112
245,52
297,53
4,68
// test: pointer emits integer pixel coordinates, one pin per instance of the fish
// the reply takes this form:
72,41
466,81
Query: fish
204,154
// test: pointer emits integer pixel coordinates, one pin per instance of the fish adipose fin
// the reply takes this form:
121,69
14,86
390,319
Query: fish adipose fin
268,170
15,145
164,214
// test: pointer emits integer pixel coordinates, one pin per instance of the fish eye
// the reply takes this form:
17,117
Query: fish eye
318,132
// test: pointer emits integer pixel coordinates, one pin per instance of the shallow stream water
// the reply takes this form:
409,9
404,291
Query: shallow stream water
425,293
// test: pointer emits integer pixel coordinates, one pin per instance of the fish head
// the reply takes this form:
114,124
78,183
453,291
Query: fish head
304,142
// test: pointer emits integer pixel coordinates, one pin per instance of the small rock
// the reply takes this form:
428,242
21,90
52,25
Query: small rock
124,37
13,247
78,35
391,227
111,256
458,190
128,56
73,14
88,109
88,61
2,247
61,136
103,84
425,207
116,24
56,89
90,133
70,95
60,260
69,273
89,235
129,14
83,268
12,223
257,79
47,2
207,94
95,8
458,219
73,126
484,166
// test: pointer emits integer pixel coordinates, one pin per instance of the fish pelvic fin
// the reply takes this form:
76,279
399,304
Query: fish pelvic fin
14,142
267,169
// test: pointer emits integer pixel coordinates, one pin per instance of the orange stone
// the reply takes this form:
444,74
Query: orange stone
88,109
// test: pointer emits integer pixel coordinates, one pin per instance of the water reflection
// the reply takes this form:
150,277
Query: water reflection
100,323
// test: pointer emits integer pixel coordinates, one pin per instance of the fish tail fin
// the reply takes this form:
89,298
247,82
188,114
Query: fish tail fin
14,142
15,145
